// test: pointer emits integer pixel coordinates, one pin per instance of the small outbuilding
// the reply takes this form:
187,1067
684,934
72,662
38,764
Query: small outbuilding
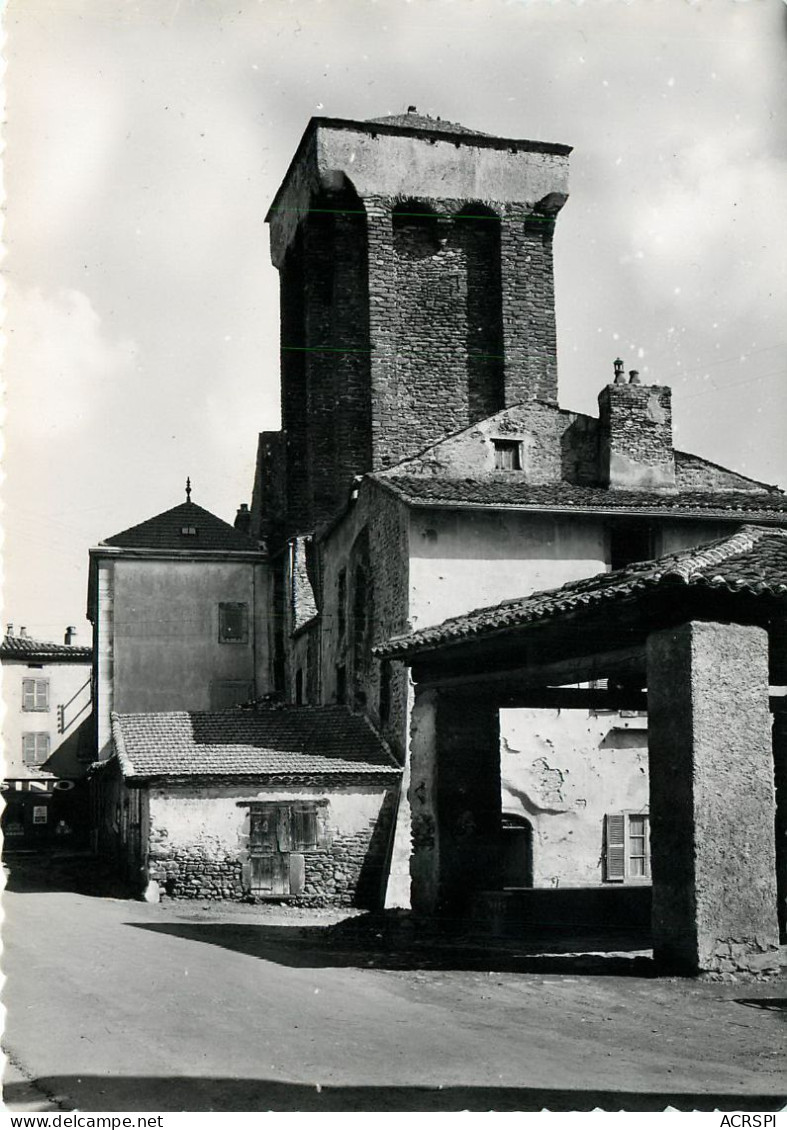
274,802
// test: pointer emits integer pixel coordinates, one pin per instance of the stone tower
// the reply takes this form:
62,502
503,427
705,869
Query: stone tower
417,292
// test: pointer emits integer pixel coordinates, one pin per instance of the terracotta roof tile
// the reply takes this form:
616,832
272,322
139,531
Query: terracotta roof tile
414,120
507,490
753,560
22,647
165,531
268,741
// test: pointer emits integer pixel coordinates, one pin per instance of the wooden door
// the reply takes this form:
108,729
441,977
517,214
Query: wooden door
275,869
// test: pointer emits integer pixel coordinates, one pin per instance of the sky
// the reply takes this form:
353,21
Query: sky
145,141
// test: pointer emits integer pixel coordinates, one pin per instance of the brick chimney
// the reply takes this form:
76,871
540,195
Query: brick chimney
242,521
69,636
635,434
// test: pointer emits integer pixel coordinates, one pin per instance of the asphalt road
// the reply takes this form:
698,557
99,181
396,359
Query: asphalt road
117,1005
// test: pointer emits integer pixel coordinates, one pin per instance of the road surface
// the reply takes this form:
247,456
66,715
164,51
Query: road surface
116,1005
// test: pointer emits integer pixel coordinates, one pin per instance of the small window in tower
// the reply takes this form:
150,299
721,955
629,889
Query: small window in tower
508,454
233,623
188,531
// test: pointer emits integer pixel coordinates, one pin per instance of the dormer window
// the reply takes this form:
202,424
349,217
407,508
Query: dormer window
508,454
188,531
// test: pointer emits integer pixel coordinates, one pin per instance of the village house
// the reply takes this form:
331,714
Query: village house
194,798
47,741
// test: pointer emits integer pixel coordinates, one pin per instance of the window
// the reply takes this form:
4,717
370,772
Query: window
299,687
35,694
341,684
630,543
35,748
341,604
508,454
226,693
626,847
233,623
188,531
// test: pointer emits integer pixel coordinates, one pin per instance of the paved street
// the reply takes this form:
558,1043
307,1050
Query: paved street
117,1005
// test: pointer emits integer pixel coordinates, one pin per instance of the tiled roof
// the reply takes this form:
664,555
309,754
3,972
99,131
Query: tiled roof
423,121
509,490
280,741
22,647
165,531
753,560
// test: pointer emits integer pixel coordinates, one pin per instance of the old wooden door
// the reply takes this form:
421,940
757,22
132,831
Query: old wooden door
275,868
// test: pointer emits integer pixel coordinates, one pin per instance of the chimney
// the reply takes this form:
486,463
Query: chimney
70,633
23,633
635,434
9,630
242,521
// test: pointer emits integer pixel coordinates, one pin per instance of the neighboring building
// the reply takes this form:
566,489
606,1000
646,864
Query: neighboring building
424,467
177,606
279,802
47,746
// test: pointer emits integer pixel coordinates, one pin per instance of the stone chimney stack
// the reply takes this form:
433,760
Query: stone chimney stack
9,630
635,434
242,521
69,636
23,633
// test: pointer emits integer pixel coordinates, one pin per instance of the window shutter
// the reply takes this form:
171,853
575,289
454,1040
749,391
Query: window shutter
304,827
42,694
28,694
284,828
615,855
28,748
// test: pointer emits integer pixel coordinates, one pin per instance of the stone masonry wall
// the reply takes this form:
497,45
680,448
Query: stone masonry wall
635,436
348,871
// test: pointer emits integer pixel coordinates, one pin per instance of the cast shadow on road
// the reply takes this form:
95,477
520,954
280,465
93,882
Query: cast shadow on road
304,947
127,1093
77,872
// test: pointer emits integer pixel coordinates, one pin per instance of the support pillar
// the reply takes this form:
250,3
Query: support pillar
711,799
455,801
780,775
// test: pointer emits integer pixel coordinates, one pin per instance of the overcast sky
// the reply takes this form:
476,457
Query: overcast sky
145,141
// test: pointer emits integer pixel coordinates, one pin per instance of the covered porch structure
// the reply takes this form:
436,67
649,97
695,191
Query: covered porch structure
699,640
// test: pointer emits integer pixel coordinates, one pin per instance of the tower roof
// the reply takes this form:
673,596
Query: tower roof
413,120
187,527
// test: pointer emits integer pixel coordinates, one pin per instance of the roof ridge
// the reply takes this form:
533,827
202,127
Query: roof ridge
126,764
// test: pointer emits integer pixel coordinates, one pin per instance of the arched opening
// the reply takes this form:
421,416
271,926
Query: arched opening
477,233
516,842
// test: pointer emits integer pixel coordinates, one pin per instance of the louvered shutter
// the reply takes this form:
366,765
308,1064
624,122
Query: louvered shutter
42,694
304,827
28,694
29,749
615,854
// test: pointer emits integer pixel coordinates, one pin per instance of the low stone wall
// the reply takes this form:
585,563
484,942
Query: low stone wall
190,873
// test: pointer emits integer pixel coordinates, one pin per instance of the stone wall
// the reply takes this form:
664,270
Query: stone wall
635,436
693,473
198,842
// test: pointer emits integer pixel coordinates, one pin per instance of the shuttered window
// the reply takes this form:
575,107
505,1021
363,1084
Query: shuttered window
508,454
626,847
35,748
35,694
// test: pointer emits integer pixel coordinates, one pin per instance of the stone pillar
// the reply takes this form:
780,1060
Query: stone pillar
711,799
780,774
467,742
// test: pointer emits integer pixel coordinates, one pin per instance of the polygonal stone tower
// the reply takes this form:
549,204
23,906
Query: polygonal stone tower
417,292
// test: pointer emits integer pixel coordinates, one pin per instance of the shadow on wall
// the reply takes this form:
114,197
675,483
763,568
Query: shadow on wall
135,1092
